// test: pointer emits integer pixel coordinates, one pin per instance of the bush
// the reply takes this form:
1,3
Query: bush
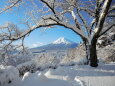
111,58
46,61
27,67
82,61
8,74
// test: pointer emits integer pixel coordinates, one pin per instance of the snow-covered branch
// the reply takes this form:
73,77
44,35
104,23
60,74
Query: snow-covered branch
110,27
89,11
111,14
102,17
84,21
11,6
70,26
112,8
51,6
75,19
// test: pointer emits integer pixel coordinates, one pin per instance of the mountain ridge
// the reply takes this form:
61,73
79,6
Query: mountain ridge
59,44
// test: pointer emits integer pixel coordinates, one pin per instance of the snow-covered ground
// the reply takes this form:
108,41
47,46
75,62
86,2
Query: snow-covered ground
78,75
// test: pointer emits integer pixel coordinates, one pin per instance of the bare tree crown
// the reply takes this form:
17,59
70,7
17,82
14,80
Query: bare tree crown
86,18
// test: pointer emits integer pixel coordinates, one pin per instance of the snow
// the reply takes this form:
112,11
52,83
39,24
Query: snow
78,75
8,74
62,40
39,79
73,15
75,76
100,41
82,61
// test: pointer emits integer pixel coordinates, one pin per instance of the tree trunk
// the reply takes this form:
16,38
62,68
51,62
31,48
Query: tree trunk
86,48
91,53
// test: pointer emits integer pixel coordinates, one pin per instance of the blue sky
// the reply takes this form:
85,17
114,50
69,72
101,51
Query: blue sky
39,36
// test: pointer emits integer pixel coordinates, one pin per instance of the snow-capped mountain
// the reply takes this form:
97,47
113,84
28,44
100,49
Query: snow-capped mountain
62,40
59,44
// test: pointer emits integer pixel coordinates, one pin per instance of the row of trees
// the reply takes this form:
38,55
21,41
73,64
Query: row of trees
90,19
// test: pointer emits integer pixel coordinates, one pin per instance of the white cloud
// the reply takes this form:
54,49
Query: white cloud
36,44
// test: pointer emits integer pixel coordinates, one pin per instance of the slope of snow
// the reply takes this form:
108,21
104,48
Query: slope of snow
62,40
79,75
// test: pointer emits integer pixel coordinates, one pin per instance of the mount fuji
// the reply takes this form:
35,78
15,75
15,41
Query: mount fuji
63,40
59,44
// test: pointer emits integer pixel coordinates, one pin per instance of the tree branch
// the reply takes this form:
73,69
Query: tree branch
110,27
52,9
112,8
72,27
111,14
50,21
9,7
84,22
89,11
102,16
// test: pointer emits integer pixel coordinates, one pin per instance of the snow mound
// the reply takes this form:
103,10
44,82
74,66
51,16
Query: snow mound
47,79
2,67
26,76
8,75
79,82
52,74
49,72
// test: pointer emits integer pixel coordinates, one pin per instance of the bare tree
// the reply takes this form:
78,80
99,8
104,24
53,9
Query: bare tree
7,46
85,18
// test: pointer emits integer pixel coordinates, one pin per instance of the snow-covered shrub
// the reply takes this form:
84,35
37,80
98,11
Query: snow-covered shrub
46,60
82,61
66,60
107,53
19,57
74,54
8,74
14,57
69,59
26,67
72,63
111,58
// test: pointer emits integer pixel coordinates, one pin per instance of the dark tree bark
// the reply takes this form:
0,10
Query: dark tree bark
86,49
93,54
